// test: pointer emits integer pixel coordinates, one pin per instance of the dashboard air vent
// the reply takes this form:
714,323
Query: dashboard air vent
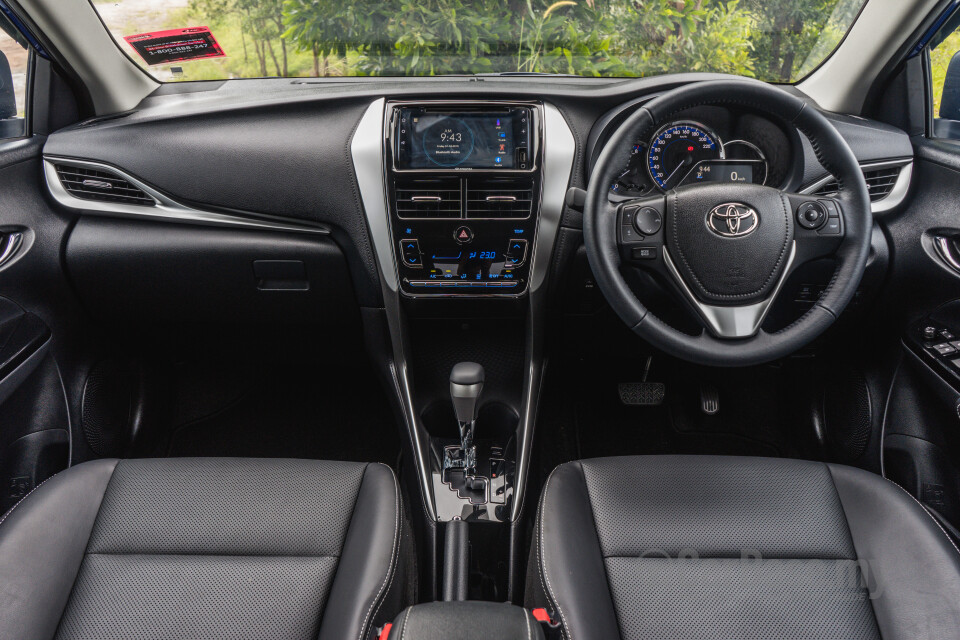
879,183
500,197
92,184
428,197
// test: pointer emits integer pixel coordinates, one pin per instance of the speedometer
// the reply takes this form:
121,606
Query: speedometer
678,147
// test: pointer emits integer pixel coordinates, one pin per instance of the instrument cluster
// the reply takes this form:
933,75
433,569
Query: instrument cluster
710,145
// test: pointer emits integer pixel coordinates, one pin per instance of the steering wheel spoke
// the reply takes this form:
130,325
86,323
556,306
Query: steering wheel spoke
819,228
730,322
640,230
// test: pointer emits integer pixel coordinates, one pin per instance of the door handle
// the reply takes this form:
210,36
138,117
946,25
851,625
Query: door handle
947,251
9,245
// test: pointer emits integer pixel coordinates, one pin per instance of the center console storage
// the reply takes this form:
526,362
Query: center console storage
465,621
463,184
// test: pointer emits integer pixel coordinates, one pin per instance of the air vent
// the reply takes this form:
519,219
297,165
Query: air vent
428,197
92,184
499,197
879,183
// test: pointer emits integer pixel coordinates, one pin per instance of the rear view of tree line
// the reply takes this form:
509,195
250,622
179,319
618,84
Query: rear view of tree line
767,39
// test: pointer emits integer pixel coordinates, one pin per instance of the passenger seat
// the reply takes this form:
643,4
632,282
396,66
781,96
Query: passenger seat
205,548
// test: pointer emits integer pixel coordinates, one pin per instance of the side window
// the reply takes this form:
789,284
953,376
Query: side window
14,69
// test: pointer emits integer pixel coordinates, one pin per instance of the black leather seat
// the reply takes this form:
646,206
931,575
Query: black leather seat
205,548
721,547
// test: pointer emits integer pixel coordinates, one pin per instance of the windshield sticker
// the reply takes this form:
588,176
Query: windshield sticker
175,45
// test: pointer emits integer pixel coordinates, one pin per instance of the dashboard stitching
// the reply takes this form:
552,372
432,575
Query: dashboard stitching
766,283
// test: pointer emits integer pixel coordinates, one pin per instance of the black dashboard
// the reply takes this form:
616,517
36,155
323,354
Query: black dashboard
279,152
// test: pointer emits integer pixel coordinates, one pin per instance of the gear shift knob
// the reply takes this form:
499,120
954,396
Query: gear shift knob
466,383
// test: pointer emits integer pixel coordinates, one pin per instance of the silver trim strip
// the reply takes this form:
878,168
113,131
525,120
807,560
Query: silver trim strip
559,149
366,150
892,199
731,322
166,209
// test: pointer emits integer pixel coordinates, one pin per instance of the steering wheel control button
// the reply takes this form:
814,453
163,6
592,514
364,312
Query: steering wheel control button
812,215
516,253
629,235
831,228
832,210
410,251
648,221
628,215
463,235
643,253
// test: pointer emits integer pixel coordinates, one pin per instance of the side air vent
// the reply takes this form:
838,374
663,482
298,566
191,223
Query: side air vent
92,184
879,183
499,197
428,197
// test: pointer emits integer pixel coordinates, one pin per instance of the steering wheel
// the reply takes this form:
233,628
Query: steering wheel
727,248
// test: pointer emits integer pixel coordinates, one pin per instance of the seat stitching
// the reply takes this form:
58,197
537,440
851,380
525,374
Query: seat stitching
403,625
393,553
548,588
926,511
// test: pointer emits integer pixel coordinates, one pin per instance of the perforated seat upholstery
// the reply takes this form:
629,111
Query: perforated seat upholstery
204,548
686,547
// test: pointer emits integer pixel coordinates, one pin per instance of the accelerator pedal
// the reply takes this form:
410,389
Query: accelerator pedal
709,399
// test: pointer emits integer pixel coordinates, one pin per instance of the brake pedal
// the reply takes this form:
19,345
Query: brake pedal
643,394
647,394
709,399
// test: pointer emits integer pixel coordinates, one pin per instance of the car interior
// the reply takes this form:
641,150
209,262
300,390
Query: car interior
632,319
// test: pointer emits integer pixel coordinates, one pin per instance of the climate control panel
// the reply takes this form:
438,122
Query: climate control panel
456,258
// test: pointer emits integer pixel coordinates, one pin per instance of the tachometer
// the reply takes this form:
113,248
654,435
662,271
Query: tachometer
676,148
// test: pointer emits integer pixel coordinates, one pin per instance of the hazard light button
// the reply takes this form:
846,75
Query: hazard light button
463,235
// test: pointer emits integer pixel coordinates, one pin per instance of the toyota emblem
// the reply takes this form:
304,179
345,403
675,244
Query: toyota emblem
732,220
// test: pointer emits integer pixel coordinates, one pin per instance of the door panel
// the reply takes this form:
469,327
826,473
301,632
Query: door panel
921,307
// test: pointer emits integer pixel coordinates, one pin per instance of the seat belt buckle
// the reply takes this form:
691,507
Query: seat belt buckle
385,631
551,629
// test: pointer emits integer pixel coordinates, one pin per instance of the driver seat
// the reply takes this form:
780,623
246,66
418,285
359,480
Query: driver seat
684,547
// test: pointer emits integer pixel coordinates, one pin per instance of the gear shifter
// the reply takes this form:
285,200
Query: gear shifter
466,383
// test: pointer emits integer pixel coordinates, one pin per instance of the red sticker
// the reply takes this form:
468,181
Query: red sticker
175,45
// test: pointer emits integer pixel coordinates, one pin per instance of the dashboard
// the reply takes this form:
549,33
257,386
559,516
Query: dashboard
277,154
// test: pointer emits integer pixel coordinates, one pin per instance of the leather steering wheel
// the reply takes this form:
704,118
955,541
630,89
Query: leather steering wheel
727,248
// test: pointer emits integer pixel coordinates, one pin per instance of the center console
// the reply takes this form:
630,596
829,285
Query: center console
464,186
463,200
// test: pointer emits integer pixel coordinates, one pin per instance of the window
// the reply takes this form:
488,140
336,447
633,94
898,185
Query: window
773,40
14,68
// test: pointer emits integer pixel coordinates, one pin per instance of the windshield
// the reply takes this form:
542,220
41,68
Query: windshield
773,40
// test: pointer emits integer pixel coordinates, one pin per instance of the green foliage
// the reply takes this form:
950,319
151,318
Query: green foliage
768,39
939,61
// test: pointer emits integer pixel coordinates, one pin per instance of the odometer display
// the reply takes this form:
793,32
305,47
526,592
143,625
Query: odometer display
678,147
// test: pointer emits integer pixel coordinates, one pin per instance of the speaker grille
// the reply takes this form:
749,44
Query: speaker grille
847,413
106,409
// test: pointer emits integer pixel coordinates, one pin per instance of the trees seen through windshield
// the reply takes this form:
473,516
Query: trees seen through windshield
774,40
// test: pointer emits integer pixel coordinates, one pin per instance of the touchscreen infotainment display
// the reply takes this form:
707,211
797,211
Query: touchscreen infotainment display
428,139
